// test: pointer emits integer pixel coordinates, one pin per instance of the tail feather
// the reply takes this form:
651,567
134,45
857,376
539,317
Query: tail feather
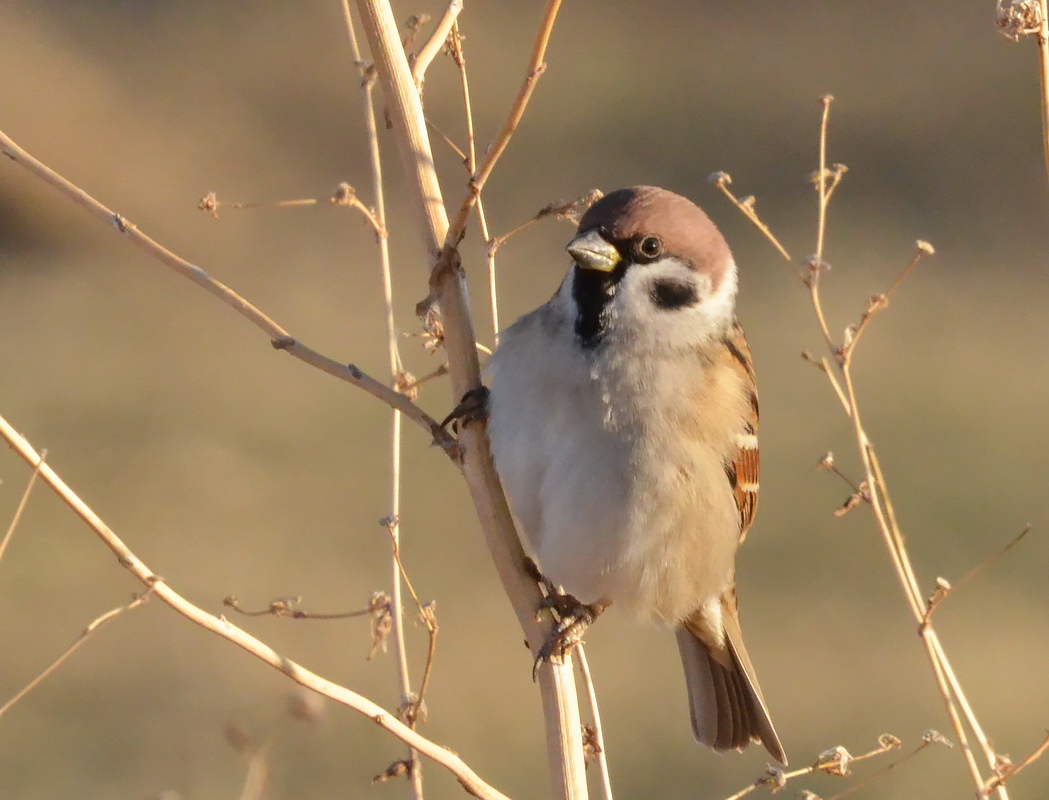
725,702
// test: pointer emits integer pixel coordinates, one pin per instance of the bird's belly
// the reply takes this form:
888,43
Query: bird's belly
608,522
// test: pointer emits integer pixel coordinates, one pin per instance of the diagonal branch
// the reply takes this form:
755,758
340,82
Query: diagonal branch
536,68
556,683
93,626
227,630
279,337
436,41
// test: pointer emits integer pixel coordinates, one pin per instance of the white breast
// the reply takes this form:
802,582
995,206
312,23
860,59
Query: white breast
612,499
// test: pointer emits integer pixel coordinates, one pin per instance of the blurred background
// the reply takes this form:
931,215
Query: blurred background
233,469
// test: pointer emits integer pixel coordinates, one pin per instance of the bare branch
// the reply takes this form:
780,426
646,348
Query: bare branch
536,67
211,203
286,607
835,761
93,626
279,337
556,682
21,505
873,489
880,302
598,736
722,180
1005,769
227,630
437,40
943,588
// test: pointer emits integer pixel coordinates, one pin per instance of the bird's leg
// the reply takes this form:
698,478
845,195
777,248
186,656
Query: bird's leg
573,617
473,407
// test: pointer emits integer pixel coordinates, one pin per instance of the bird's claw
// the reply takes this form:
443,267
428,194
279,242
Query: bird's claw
473,407
569,631
573,618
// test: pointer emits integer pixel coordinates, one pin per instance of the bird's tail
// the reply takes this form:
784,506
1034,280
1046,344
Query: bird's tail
727,709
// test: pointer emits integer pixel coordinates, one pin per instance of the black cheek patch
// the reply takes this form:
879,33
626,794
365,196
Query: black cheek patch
670,294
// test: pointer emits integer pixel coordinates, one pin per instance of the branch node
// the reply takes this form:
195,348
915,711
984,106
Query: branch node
719,179
210,203
935,737
1017,18
834,761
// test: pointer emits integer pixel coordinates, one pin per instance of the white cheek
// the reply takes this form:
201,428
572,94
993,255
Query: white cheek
637,318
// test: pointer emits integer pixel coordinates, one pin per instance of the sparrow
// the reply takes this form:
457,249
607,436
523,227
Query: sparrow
623,419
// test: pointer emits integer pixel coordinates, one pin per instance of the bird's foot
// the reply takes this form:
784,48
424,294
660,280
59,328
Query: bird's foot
473,407
573,618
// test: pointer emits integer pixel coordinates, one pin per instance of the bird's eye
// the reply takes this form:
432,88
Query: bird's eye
650,247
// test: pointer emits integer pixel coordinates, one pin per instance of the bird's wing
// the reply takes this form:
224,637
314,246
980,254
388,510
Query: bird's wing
742,464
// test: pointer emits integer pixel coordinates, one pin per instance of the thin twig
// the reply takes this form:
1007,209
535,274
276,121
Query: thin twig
285,607
536,68
876,489
280,338
227,630
211,203
881,504
1006,770
346,195
93,626
448,141
429,619
722,180
570,211
945,591
396,373
880,302
887,768
21,506
437,373
447,288
821,182
455,43
1043,72
605,779
835,761
905,572
436,41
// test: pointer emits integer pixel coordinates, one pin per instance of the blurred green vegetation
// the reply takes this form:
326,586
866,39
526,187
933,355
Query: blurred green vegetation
232,469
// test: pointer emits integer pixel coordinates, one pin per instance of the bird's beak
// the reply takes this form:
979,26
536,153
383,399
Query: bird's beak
591,251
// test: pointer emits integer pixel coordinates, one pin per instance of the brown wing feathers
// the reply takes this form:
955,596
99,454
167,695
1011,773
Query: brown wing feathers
742,470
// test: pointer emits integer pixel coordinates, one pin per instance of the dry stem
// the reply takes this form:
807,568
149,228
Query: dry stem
536,67
286,607
396,375
21,506
835,761
1043,62
459,56
561,712
604,783
436,41
877,493
279,337
93,626
224,628
944,589
1005,769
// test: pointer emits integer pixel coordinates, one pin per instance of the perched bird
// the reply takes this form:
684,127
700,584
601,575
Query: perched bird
623,418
